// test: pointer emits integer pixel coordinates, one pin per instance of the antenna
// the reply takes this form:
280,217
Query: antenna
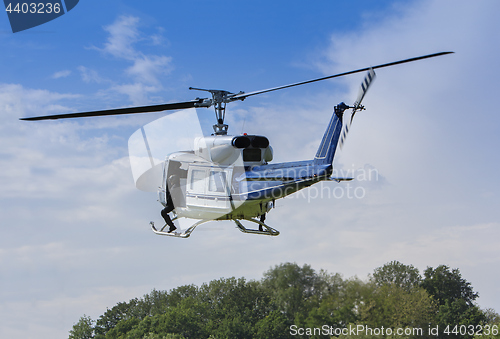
243,125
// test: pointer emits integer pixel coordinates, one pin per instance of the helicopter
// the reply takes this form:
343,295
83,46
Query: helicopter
229,177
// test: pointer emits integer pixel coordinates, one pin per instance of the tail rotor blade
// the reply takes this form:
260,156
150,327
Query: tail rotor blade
344,132
367,81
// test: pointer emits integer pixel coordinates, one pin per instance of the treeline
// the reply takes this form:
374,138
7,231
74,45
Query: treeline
297,302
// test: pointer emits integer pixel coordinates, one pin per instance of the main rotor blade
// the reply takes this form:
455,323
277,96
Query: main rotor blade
117,111
246,95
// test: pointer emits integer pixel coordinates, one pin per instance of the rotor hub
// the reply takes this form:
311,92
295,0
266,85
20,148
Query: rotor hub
219,100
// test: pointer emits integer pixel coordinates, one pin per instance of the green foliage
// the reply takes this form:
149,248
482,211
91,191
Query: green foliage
234,298
448,285
111,317
396,273
184,319
83,329
174,297
295,290
273,325
455,298
122,328
395,296
491,317
341,306
391,306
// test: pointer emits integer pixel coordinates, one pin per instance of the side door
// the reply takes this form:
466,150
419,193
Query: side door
197,179
209,187
219,188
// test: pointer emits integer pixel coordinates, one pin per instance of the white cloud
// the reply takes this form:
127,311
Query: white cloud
47,160
138,93
61,74
123,33
90,75
158,38
17,102
146,69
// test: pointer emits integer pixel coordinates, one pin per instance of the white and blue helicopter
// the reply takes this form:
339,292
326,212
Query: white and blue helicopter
227,177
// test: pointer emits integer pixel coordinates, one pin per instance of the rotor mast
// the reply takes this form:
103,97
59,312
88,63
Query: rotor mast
219,100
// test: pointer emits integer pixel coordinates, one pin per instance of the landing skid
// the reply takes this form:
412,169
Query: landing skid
175,234
266,230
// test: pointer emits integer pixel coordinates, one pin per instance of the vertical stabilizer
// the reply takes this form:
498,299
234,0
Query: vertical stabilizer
326,150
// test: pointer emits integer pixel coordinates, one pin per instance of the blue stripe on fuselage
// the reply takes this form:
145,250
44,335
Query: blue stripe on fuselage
288,171
279,180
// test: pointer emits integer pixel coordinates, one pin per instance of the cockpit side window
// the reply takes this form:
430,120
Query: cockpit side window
217,181
197,182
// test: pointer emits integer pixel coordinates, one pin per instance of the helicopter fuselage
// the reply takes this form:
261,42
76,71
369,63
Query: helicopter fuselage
230,178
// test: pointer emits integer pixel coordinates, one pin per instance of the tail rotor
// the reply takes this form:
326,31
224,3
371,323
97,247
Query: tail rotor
367,81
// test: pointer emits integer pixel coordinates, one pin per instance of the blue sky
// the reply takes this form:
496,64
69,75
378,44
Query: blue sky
74,236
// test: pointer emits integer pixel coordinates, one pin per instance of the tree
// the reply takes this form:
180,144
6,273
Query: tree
122,328
445,284
294,289
392,306
455,298
340,307
404,276
153,303
177,294
83,329
491,317
111,317
274,325
186,319
233,306
395,296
